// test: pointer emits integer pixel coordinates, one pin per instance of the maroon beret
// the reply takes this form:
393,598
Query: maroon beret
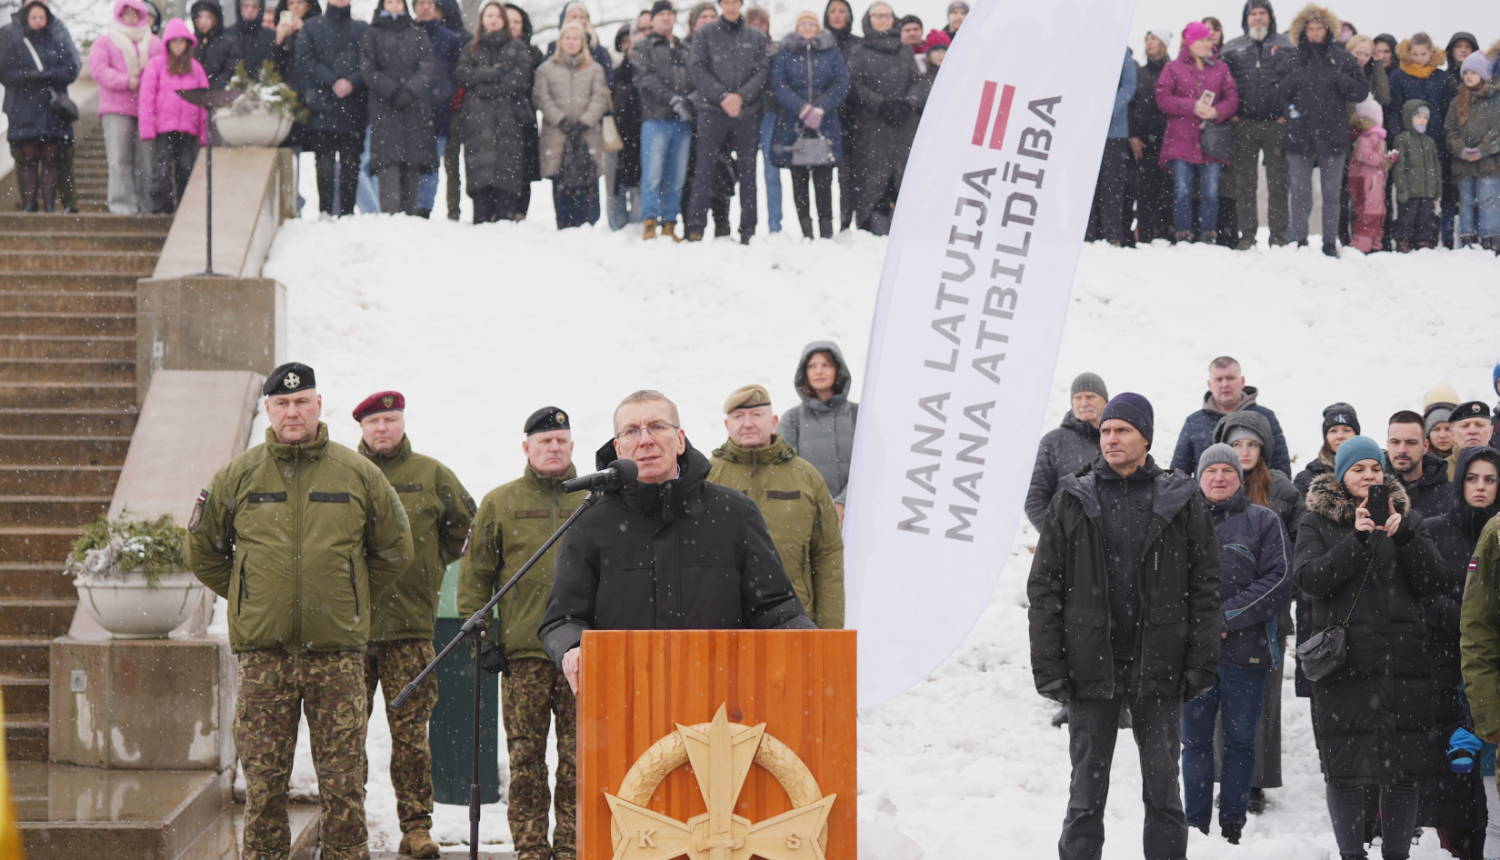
381,401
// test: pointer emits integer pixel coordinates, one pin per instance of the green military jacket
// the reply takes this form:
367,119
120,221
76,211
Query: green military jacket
1479,626
298,538
794,499
440,512
514,520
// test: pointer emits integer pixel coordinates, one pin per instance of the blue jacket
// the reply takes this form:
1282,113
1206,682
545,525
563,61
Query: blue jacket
446,46
789,84
1198,433
1257,579
29,91
1119,119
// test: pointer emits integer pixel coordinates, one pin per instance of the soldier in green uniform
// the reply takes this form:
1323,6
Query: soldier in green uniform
298,534
793,498
514,520
440,511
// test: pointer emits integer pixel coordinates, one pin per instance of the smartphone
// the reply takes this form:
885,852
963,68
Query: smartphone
1207,98
286,17
1379,503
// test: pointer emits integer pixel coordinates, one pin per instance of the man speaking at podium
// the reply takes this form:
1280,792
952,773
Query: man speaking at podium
668,552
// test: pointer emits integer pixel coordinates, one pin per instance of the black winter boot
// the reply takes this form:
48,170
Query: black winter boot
1231,832
1331,249
807,228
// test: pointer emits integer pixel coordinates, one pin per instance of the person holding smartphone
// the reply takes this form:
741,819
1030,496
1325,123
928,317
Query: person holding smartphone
1367,562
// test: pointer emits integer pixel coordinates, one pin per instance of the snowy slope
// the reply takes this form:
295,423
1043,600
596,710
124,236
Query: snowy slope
479,326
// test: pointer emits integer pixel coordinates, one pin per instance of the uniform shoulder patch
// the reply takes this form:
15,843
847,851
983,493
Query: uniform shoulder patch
196,519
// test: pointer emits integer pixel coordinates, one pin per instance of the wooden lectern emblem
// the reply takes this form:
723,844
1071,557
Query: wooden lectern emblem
720,754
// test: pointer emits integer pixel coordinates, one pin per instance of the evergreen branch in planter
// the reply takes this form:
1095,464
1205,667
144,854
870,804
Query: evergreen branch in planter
109,550
269,93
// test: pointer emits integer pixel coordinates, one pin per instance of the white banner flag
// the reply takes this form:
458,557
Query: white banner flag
968,322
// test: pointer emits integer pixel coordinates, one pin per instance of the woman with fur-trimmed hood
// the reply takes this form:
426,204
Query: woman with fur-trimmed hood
1372,715
1418,75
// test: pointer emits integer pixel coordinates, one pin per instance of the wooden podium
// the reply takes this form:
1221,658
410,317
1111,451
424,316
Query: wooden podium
717,745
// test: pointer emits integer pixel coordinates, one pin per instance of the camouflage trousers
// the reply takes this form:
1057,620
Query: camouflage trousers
535,692
393,665
275,687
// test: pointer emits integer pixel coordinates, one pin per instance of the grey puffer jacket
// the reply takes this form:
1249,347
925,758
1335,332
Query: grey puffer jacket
398,66
822,433
1062,452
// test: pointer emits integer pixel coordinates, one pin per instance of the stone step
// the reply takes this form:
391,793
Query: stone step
52,510
67,302
49,544
67,325
26,658
64,450
31,580
27,618
25,480
63,282
69,812
64,395
67,346
74,370
68,422
26,740
140,263
26,695
81,241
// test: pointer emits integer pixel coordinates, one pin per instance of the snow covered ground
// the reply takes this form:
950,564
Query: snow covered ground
479,326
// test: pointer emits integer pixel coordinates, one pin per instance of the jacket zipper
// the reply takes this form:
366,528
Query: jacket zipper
297,513
354,586
244,562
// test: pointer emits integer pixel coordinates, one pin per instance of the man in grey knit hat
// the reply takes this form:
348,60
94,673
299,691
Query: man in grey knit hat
1068,448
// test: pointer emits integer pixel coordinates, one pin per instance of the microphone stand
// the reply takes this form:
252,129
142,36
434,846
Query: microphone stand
475,629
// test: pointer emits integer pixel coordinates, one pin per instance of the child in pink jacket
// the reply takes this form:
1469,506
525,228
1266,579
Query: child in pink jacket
1367,169
117,60
176,126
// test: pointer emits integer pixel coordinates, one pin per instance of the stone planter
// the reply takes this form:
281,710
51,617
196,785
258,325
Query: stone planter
258,128
129,609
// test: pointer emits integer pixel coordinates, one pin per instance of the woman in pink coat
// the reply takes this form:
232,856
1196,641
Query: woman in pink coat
117,60
176,126
1181,93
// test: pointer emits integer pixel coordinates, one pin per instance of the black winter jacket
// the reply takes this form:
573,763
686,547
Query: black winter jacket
497,112
396,59
683,555
1321,81
1147,121
1257,68
730,57
1373,715
1431,494
660,67
1063,451
216,50
1180,607
1256,560
327,51
255,43
446,48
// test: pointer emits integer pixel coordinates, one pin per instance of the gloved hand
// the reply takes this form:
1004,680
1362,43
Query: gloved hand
1196,682
681,107
895,111
401,98
1059,691
1463,748
492,659
811,117
566,125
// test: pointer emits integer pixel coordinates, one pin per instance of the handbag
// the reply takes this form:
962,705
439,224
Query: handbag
62,107
1216,139
612,140
815,151
1327,649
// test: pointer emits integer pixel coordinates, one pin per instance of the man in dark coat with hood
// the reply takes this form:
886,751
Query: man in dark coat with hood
1227,392
255,42
1125,604
216,51
667,552
1257,61
1069,447
333,87
1422,474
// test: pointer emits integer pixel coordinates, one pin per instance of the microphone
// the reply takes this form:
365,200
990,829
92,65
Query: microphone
619,472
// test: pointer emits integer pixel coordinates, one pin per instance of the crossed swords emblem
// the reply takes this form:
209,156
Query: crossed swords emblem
720,761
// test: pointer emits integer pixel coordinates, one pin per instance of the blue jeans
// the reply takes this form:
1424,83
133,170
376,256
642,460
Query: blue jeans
773,173
1236,700
1480,193
665,147
367,194
427,185
1207,175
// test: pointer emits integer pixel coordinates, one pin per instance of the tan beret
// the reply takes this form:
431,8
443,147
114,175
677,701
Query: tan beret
747,397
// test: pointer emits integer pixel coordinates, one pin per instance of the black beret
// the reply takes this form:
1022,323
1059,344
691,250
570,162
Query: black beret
289,379
1472,409
546,419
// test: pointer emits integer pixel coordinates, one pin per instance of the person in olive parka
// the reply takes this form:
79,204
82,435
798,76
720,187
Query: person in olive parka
403,617
513,522
793,498
398,65
299,534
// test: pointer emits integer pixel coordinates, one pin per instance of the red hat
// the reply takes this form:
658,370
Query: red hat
937,39
381,401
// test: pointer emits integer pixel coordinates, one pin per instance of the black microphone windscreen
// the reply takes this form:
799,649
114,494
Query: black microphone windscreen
626,469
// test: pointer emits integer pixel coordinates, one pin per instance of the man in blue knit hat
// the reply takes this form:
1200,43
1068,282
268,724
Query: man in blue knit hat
1125,607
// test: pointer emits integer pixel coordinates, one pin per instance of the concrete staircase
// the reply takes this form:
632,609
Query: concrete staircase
67,411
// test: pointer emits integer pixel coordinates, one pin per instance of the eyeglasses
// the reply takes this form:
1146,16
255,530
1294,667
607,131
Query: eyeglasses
658,430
